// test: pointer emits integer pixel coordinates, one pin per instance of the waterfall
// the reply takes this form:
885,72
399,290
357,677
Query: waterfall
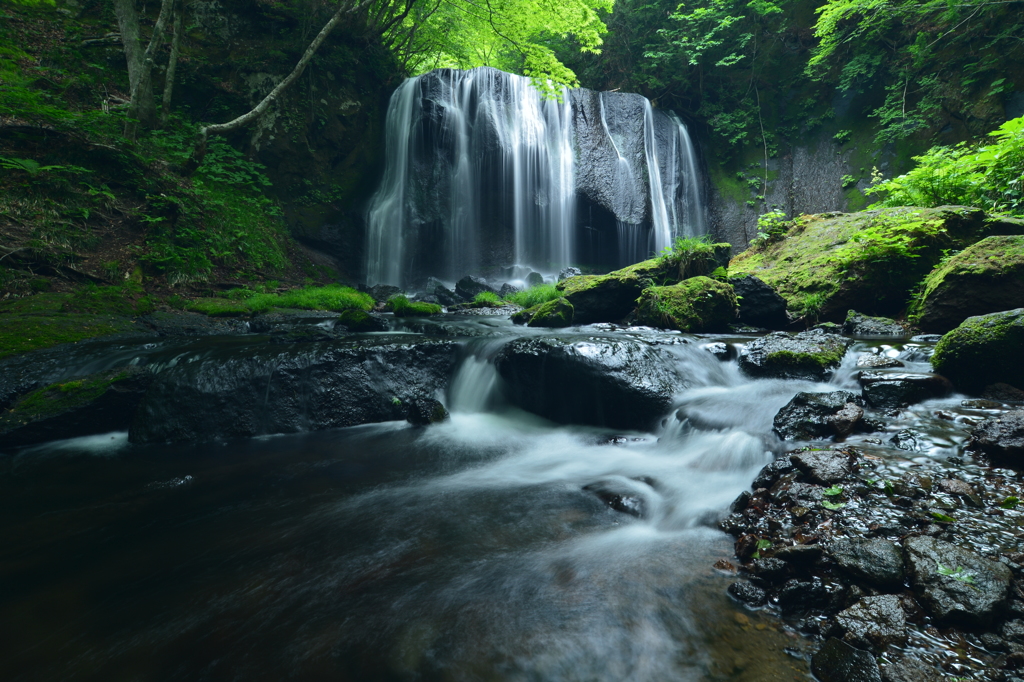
483,173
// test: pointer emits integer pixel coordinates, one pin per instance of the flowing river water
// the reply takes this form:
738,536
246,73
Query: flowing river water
467,550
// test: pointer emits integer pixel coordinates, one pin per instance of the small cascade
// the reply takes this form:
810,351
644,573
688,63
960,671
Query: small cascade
484,173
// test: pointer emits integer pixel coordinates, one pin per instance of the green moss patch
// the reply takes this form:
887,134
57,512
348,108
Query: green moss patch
694,305
24,333
557,313
58,398
403,307
983,350
985,277
830,263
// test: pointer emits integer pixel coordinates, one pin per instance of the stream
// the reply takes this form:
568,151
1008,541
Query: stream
466,550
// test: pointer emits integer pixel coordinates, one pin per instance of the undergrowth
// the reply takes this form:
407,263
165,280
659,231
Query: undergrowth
542,293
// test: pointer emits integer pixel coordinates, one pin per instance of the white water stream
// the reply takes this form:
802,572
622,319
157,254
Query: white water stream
481,171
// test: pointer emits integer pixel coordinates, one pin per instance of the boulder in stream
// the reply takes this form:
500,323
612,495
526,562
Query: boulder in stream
819,415
865,325
986,277
983,350
619,383
877,562
889,390
601,298
1001,438
238,391
874,623
837,661
469,286
556,313
96,403
955,585
698,304
812,355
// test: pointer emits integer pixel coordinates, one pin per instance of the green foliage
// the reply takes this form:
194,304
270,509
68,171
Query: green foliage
403,307
528,298
990,177
486,297
246,301
833,491
943,518
771,227
832,505
1010,502
958,574
514,35
930,57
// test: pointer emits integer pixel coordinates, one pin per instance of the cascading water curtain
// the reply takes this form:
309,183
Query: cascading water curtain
481,172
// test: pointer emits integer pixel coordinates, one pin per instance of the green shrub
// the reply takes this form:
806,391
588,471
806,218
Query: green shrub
333,297
542,293
403,307
486,297
989,177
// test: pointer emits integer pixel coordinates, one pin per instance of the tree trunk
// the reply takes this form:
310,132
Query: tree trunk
172,64
142,106
199,149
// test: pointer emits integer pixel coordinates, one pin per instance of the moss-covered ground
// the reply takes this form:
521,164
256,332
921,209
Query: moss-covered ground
871,261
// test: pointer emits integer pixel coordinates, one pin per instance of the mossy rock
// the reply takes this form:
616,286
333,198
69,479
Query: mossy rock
983,350
362,321
869,261
403,307
556,313
697,304
811,355
92,404
984,278
602,298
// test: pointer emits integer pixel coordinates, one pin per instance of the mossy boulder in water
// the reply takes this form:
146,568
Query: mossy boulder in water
983,350
830,263
694,305
92,404
602,298
556,313
810,355
986,277
362,321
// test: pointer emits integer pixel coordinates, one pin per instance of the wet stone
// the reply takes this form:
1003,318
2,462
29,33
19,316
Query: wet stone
1001,438
810,355
837,661
748,593
960,488
877,562
469,287
771,473
424,411
566,273
874,623
907,440
800,555
722,351
798,596
877,361
907,669
864,325
818,415
771,569
955,585
619,498
825,467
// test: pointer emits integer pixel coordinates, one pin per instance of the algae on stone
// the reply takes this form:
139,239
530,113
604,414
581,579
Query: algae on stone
694,305
983,350
868,261
986,277
557,313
